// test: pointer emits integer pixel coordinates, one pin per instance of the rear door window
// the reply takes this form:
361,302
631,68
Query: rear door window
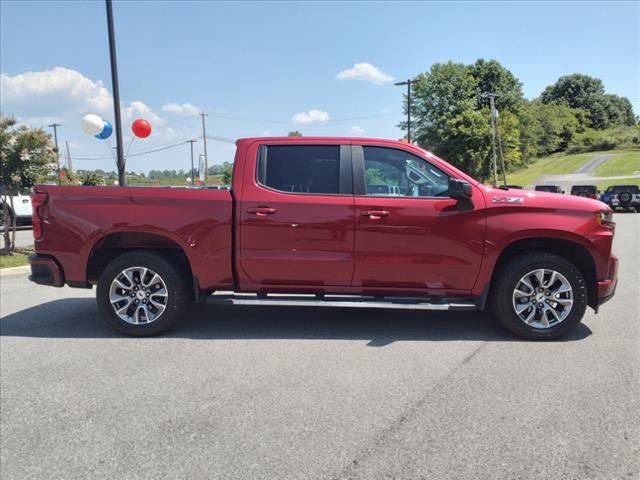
311,169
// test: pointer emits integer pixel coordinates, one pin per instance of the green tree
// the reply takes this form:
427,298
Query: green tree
492,77
91,179
26,154
587,93
227,173
619,110
294,133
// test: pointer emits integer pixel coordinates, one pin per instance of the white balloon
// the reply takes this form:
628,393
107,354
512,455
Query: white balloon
92,124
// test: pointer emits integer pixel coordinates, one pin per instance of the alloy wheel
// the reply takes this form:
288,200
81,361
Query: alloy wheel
542,298
138,295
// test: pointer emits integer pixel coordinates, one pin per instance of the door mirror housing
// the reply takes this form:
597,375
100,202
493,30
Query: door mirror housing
461,191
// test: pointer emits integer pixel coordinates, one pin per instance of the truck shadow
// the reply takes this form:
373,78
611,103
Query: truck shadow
79,318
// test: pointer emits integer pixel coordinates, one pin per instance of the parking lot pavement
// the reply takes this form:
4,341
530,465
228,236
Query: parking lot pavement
266,392
24,236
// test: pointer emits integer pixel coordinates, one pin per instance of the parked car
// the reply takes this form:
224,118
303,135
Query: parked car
299,220
622,196
548,188
589,191
19,207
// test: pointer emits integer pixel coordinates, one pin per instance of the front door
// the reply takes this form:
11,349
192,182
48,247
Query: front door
297,216
409,233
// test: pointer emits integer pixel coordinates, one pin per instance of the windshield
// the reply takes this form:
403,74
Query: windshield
624,188
583,188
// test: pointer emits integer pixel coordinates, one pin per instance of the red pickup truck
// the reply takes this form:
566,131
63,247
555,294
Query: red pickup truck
348,222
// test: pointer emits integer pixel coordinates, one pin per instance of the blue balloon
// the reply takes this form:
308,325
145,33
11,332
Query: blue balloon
106,132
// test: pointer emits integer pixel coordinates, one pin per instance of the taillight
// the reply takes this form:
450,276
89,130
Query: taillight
38,200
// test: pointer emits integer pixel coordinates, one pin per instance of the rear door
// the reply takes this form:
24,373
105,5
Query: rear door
413,237
296,216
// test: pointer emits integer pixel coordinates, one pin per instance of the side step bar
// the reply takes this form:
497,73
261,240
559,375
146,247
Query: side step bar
343,301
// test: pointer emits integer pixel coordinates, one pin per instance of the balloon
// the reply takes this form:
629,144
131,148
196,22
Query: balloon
106,132
141,128
92,124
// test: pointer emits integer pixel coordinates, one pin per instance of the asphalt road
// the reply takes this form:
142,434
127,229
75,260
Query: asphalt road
24,236
594,162
260,393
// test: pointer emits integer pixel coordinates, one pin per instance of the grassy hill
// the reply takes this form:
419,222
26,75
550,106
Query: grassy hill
625,162
556,164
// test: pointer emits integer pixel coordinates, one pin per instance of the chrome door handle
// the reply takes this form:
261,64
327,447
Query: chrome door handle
375,214
262,211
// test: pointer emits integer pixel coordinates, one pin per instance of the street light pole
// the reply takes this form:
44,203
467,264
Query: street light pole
55,137
192,142
116,95
408,84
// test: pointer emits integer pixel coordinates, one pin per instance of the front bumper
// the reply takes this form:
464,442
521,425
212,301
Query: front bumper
607,288
45,271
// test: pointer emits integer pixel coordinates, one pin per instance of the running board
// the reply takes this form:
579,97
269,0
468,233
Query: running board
342,301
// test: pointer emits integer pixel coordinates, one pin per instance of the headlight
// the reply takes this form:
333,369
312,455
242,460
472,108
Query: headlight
605,218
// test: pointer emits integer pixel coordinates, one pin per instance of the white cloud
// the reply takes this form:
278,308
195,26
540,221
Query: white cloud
311,116
181,109
357,129
137,109
365,71
49,91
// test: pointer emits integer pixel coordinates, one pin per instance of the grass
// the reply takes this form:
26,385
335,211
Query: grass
626,163
16,259
556,164
621,181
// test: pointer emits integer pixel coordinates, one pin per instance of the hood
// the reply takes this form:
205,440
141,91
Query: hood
497,197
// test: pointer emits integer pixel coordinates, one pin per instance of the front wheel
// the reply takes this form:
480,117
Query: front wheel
539,296
141,294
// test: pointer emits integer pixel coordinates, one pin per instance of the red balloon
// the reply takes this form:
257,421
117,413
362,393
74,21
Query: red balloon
141,128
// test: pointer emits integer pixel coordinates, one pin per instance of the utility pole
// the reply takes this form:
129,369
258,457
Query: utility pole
504,172
116,95
408,84
191,142
69,165
494,114
204,139
55,137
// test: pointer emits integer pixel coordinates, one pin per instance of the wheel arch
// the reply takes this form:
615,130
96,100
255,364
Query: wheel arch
573,251
114,244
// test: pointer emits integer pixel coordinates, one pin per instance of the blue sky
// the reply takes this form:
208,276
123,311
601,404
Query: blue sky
254,66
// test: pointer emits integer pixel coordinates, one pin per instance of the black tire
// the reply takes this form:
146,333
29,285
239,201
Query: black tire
177,285
625,198
507,278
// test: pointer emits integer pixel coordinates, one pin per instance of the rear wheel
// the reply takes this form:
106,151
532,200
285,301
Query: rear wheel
539,296
142,294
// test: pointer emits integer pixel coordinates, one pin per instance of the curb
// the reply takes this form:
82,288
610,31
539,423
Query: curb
7,272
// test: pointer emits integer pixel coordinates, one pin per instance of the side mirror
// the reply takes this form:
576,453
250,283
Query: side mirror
461,191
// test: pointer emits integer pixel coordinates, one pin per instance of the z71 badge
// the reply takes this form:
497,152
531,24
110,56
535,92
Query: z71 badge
507,200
